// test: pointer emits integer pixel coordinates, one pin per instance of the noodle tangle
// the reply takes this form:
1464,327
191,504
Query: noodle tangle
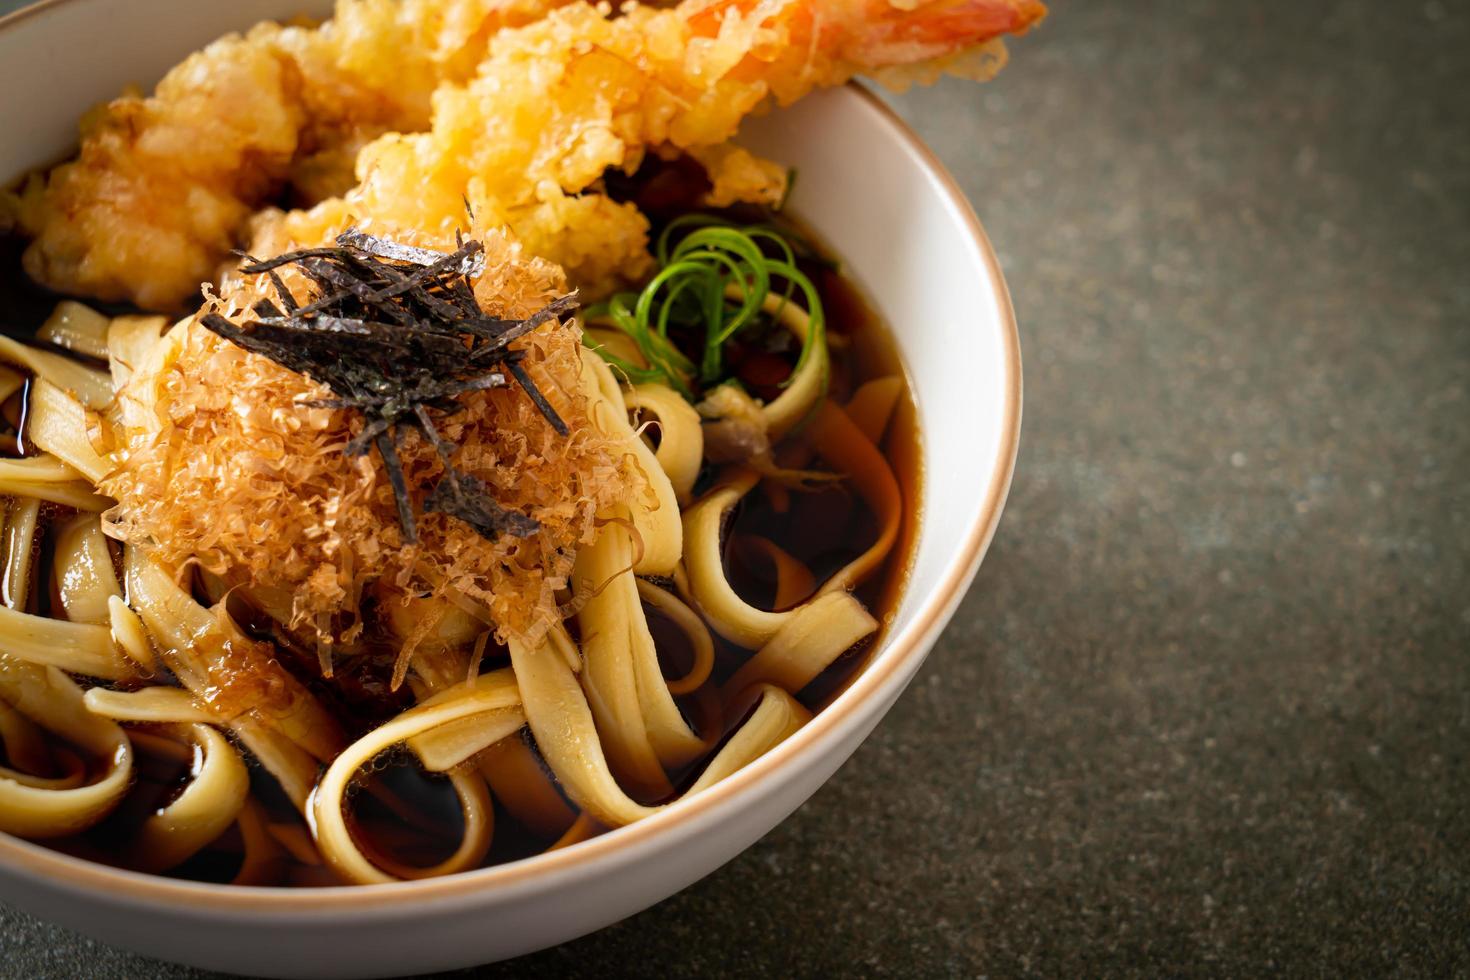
584,726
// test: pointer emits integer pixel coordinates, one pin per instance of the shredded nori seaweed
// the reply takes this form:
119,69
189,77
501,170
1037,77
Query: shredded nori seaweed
396,333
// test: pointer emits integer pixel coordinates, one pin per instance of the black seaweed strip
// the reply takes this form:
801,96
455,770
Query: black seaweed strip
441,267
394,344
368,436
384,248
350,286
388,449
550,311
537,398
258,266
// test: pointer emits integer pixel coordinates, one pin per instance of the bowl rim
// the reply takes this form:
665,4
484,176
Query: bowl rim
900,651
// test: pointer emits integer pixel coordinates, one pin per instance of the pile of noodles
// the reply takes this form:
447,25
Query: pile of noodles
215,459
222,461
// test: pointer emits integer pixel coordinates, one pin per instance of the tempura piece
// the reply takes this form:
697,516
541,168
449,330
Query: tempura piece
561,100
164,184
525,121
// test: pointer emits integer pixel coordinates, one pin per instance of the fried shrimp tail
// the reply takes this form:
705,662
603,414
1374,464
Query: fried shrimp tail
875,34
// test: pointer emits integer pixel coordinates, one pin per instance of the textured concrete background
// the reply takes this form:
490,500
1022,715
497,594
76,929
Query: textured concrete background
1207,708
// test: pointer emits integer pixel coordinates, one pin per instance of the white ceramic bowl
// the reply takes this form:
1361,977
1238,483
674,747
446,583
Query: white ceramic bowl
868,187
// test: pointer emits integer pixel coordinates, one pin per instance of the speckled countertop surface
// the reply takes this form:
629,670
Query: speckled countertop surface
1207,708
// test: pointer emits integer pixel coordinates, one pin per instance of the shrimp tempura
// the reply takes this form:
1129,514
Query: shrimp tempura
558,102
165,186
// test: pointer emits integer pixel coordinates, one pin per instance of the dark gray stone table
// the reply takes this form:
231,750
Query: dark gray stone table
1207,708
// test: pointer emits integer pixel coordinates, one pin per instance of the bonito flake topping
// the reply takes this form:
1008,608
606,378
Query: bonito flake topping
228,459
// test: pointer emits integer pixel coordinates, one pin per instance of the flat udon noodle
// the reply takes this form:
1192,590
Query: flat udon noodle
558,713
264,856
39,808
47,478
59,424
680,451
207,806
520,782
197,647
37,693
288,731
83,579
77,647
844,446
